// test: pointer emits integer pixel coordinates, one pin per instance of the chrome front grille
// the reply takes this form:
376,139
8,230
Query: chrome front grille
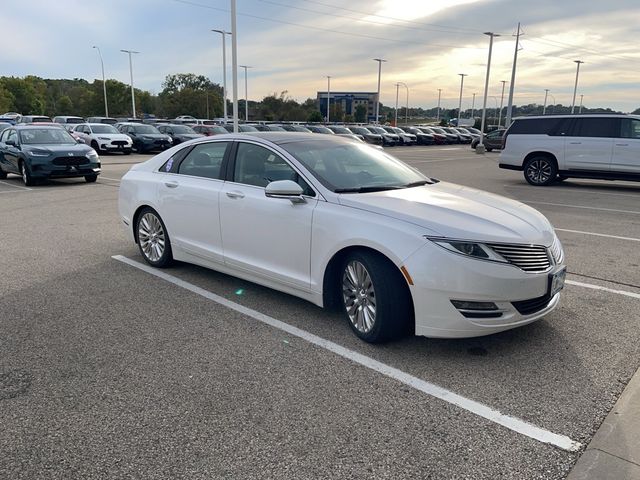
530,258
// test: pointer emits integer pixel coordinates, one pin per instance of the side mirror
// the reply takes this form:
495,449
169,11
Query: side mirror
80,140
285,189
11,142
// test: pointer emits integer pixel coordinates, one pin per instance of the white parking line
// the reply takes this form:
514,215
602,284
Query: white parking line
576,189
581,206
604,289
631,239
112,179
14,186
512,423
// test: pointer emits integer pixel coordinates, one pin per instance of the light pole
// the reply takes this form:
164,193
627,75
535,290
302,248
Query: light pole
473,105
546,94
328,97
501,103
554,100
133,97
581,97
438,114
246,93
513,79
379,60
224,72
575,87
480,147
462,75
104,85
234,65
397,92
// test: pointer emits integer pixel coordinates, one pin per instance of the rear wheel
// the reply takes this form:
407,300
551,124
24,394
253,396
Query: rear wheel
375,298
489,149
3,175
153,239
26,175
90,178
540,171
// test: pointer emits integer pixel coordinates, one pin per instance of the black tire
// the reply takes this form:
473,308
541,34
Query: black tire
95,146
3,174
127,151
388,294
561,178
26,175
90,178
166,258
489,149
540,171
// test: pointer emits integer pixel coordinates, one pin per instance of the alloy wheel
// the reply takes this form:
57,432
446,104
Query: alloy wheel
151,237
539,171
359,296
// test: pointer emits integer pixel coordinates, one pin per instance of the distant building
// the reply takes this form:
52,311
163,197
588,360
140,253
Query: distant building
349,101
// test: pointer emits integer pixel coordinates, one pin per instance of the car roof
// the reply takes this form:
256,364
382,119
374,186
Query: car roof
28,126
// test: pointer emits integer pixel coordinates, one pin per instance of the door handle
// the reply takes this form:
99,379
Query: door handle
171,184
622,144
575,143
235,194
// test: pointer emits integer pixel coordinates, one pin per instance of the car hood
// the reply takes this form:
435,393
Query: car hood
455,211
112,136
59,149
155,136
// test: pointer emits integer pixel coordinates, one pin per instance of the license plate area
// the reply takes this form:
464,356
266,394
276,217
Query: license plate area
556,281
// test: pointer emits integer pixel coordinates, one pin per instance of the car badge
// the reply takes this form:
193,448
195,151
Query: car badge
70,154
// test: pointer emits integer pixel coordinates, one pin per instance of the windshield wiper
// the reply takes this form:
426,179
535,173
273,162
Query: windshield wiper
419,183
373,188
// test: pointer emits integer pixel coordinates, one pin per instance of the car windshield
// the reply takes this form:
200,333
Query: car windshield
341,130
74,120
438,130
360,130
379,130
46,136
148,129
103,129
301,129
275,128
247,128
353,167
181,129
474,130
217,130
322,130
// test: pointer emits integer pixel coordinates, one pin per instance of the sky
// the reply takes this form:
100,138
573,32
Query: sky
294,45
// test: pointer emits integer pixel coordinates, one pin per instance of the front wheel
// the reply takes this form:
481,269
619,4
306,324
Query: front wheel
90,178
26,175
540,171
375,297
153,239
3,174
127,151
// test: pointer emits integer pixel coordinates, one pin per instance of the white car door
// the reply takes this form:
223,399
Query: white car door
188,199
269,237
626,148
590,145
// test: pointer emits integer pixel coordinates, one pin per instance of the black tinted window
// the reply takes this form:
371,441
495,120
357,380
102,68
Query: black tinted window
204,160
534,126
595,127
630,128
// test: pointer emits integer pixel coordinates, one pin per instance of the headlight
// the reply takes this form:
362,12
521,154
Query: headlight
104,138
36,153
470,249
92,154
170,139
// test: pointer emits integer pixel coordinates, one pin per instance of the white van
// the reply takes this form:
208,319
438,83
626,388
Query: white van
556,147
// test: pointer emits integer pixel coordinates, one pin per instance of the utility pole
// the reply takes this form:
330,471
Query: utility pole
224,72
546,94
397,92
133,97
246,93
473,105
513,80
575,87
480,145
462,75
438,114
501,103
328,97
581,97
379,60
104,85
234,61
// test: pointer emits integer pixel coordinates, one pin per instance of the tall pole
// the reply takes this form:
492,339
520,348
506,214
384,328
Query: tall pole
513,80
104,84
133,97
575,87
486,90
379,60
246,93
406,110
546,94
397,92
328,97
473,105
501,103
438,114
581,97
462,75
234,64
224,71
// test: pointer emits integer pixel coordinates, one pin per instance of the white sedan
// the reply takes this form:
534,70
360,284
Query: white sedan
103,137
342,224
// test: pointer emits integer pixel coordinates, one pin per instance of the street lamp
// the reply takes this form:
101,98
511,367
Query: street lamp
581,97
234,64
462,75
224,71
501,103
554,100
328,97
133,97
246,93
473,105
438,114
480,147
104,85
546,94
379,60
575,87
406,110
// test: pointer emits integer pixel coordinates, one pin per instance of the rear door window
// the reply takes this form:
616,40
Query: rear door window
599,127
204,160
630,128
534,126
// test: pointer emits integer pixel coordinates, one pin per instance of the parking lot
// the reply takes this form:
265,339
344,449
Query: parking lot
107,369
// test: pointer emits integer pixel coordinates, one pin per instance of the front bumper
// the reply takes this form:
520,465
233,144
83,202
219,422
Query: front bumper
71,168
440,277
113,146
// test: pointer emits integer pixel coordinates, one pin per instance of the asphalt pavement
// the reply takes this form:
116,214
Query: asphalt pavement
108,371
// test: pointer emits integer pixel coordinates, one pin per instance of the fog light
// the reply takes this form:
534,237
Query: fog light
466,305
